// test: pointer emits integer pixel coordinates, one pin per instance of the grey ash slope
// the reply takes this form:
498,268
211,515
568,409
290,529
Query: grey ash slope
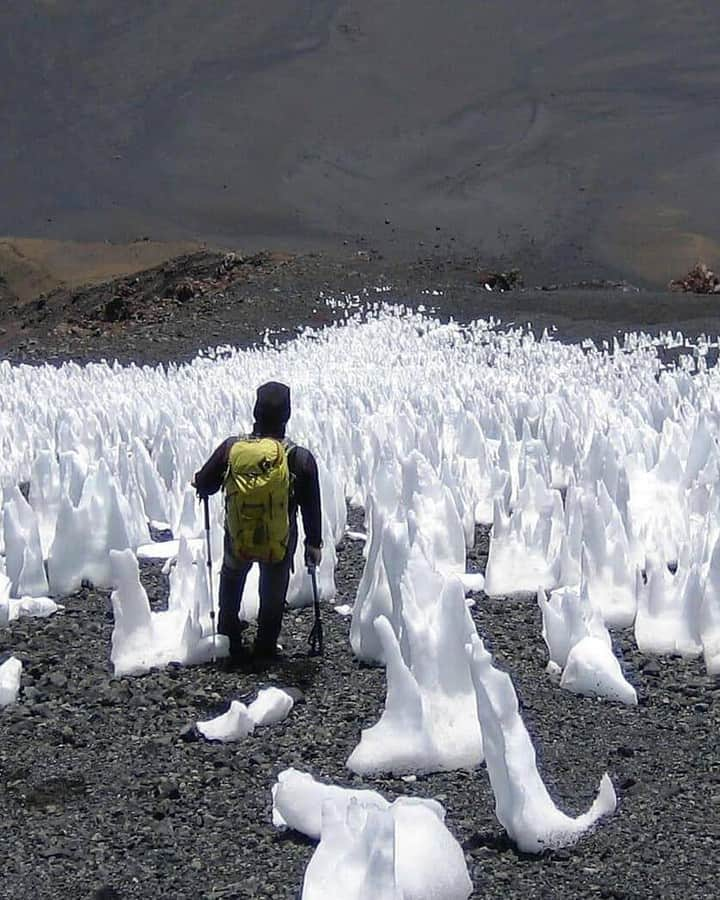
579,138
99,789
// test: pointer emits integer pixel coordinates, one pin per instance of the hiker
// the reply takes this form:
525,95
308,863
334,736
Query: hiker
289,477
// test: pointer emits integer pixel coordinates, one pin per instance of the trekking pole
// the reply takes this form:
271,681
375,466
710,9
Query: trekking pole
206,504
315,638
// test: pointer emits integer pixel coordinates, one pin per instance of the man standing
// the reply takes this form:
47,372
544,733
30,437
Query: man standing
266,478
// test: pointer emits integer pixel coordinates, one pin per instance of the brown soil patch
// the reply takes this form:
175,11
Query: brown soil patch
31,266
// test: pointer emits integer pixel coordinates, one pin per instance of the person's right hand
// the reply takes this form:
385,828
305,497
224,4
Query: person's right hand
193,484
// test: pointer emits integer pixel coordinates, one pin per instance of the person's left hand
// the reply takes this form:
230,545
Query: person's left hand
313,555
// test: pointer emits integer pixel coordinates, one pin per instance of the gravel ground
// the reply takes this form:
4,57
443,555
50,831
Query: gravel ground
104,795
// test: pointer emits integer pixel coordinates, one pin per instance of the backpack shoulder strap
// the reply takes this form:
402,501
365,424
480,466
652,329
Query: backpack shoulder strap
238,438
290,447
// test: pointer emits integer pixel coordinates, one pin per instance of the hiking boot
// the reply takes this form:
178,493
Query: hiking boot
267,649
232,664
264,655
238,653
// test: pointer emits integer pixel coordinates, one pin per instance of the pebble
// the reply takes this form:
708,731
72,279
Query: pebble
168,788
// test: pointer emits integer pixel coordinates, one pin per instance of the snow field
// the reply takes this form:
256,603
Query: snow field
598,470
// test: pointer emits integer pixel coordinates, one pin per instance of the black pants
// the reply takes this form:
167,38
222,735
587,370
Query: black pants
274,579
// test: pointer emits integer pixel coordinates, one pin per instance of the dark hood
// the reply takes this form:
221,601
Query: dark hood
272,409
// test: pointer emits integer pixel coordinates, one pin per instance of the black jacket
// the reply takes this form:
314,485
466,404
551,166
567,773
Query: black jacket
306,485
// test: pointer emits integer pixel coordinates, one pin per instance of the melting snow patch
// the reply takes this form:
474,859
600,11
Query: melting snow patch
233,725
593,669
368,846
12,608
34,607
10,672
271,706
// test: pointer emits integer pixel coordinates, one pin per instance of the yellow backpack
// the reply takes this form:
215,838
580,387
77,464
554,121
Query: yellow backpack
257,495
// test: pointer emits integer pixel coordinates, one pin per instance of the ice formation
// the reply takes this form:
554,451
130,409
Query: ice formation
429,506
592,669
10,672
522,804
143,639
373,598
23,549
709,614
580,645
44,496
300,591
567,618
526,543
232,725
12,608
368,846
355,858
86,535
667,619
271,706
606,561
429,721
298,801
167,550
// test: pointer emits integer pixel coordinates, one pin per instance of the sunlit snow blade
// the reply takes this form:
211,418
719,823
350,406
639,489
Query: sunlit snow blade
23,549
355,858
668,613
522,804
143,639
430,717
